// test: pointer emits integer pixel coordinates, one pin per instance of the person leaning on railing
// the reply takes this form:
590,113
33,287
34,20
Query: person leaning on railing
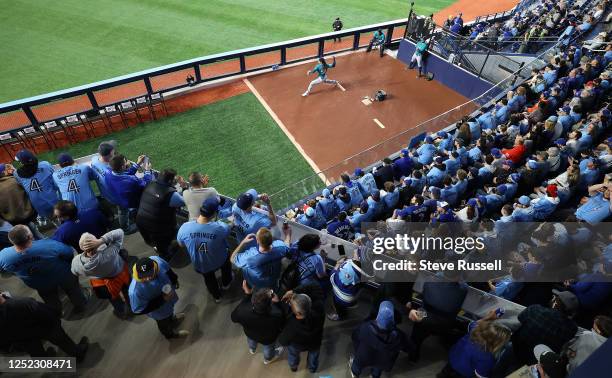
156,216
127,188
197,193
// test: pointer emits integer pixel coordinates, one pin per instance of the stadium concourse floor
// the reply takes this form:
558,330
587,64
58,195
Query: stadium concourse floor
216,347
331,125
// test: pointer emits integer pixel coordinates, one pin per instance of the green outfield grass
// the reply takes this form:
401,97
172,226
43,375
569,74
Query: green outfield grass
234,141
53,45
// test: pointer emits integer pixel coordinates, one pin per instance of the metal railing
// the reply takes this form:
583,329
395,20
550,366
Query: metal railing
90,99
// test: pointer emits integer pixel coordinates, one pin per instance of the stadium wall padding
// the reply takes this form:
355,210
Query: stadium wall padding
457,79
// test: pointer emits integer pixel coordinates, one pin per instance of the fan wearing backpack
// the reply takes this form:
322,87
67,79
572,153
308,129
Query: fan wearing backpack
307,266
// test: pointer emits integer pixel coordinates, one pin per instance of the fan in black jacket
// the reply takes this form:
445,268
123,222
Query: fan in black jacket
25,322
262,318
304,328
377,343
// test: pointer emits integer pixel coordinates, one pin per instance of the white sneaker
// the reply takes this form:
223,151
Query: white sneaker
179,316
304,94
182,333
252,351
279,351
217,300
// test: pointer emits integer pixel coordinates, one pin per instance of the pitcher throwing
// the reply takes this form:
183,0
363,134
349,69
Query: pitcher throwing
321,70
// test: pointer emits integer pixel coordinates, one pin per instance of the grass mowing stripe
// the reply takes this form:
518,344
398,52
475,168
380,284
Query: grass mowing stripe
60,44
234,141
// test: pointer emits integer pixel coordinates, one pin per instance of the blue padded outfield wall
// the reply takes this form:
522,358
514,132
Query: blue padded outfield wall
457,79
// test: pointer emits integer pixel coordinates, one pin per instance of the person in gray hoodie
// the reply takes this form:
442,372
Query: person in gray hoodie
107,270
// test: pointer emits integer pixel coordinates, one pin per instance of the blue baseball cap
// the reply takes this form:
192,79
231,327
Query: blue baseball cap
515,177
532,164
245,200
358,172
443,134
429,139
404,151
25,157
310,212
325,193
385,319
472,202
443,204
553,118
524,200
209,207
364,206
561,141
501,189
347,274
434,190
496,152
65,159
376,195
253,193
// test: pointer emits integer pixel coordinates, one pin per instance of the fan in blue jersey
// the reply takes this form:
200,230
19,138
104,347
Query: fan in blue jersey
321,70
206,242
248,220
261,264
73,183
100,165
341,227
36,178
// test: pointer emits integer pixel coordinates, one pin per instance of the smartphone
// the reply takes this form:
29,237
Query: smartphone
341,250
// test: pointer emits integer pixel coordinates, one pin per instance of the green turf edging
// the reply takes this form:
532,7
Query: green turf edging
234,141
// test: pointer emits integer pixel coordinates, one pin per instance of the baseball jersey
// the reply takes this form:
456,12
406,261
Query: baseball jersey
321,69
368,184
206,244
421,47
143,292
100,169
40,188
262,269
379,36
44,265
73,184
248,222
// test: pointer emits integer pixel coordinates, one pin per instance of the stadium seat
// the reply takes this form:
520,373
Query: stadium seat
73,122
108,113
52,128
29,135
157,99
128,107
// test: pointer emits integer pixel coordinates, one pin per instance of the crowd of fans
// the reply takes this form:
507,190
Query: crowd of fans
528,30
543,153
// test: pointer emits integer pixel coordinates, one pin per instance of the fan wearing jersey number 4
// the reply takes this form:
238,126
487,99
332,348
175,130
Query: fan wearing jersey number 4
36,178
73,183
206,242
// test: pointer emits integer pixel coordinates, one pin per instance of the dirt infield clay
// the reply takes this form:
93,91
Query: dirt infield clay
331,125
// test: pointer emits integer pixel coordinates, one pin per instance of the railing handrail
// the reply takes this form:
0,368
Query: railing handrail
119,80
